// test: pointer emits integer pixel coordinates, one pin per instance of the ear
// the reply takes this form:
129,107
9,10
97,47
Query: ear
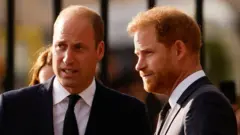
180,49
100,50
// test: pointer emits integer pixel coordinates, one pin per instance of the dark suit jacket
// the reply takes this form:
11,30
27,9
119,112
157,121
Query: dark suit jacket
29,111
201,110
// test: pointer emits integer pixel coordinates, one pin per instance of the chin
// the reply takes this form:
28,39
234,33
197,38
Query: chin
149,88
67,83
153,88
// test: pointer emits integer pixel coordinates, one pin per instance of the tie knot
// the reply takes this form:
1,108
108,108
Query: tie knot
73,98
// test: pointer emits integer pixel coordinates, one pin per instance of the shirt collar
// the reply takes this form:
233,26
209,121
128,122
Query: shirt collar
177,92
60,93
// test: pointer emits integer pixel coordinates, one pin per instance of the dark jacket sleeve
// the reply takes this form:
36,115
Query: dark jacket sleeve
210,114
141,120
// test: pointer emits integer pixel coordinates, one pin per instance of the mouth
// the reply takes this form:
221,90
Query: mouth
69,72
145,75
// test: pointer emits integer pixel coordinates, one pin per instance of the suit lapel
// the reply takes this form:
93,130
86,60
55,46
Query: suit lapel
158,125
192,88
189,91
172,114
45,107
97,113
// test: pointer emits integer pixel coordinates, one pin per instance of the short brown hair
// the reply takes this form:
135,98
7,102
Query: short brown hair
170,24
93,17
44,58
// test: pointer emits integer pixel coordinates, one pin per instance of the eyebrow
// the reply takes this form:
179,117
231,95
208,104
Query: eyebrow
143,49
61,42
65,42
79,43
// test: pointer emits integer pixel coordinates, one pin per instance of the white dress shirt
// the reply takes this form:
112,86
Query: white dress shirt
178,91
82,107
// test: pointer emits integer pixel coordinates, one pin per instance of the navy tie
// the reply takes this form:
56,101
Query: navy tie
164,114
70,126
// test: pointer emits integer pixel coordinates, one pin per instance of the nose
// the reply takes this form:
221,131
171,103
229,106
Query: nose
141,64
68,57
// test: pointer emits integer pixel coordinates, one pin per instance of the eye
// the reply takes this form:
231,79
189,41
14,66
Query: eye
78,46
60,46
147,52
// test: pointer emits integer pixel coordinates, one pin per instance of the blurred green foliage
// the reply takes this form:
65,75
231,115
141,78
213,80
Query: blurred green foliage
218,63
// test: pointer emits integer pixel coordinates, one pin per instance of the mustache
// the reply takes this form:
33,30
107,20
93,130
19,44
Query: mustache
144,74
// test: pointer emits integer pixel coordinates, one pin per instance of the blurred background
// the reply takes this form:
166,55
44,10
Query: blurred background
26,26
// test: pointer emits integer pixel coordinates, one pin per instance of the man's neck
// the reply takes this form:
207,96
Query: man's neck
184,74
78,89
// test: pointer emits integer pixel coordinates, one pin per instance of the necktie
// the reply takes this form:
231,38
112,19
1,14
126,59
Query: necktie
163,115
70,126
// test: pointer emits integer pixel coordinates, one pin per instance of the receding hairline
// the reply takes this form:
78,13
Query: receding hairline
75,11
81,12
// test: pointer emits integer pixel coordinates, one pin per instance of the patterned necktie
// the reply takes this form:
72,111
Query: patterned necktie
70,126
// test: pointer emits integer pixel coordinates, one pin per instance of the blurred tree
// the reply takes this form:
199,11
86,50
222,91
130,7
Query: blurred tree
218,64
